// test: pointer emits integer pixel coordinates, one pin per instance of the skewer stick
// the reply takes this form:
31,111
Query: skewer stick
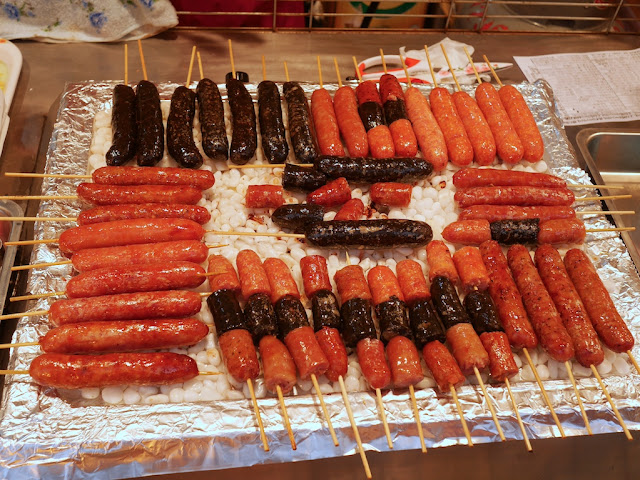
19,344
40,295
473,65
233,65
515,409
406,70
433,74
416,415
616,229
31,242
613,405
193,56
319,72
446,57
491,407
384,63
144,65
462,419
356,433
264,68
493,72
383,418
610,187
268,165
633,360
39,265
252,393
607,212
603,197
575,389
200,65
253,234
40,219
40,197
126,63
544,392
285,417
43,175
358,74
335,62
324,409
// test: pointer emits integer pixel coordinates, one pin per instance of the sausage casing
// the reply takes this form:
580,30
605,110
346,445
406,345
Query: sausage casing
150,148
372,170
353,132
297,216
180,143
300,128
211,114
260,316
333,348
373,362
447,303
272,132
443,366
123,124
425,323
279,367
357,323
97,194
110,213
482,312
239,354
302,179
202,179
244,140
326,313
404,361
226,311
291,315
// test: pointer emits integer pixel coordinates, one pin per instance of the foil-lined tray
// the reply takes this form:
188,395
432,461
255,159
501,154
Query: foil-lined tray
45,434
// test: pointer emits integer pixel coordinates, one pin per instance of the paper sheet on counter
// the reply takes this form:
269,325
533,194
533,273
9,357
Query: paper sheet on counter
590,87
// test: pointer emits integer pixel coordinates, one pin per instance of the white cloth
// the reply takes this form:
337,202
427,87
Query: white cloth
85,21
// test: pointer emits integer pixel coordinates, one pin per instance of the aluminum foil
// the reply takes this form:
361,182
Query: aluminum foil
49,433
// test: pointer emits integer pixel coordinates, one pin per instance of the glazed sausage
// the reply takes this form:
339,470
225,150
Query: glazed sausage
391,193
180,143
491,177
302,179
326,123
352,210
222,275
244,140
264,196
150,147
447,303
472,272
443,366
518,195
395,112
315,274
272,131
440,261
372,170
123,125
404,361
458,145
279,367
300,128
215,143
280,279
114,194
111,213
467,348
357,323
412,282
373,363
351,284
333,348
562,231
523,122
494,213
226,311
428,133
202,179
297,216
393,318
477,128
239,354
334,193
501,362
253,277
383,284
353,132
370,109
306,352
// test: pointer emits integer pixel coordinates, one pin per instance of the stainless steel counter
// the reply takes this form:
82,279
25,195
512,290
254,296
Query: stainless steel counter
47,67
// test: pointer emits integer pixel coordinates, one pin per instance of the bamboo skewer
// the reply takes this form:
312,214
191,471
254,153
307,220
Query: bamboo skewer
233,65
465,428
327,417
416,414
356,433
193,56
633,360
200,65
254,400
126,64
515,409
567,365
489,404
285,417
610,400
144,65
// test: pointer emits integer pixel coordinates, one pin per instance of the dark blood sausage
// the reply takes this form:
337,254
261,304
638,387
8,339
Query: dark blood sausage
493,213
297,216
135,278
372,116
369,234
458,144
128,232
291,315
215,143
508,143
447,303
518,195
334,193
264,196
566,299
239,354
404,361
523,122
425,323
123,124
260,317
477,128
389,303
126,306
391,193
326,123
473,274
150,148
351,210
440,261
412,282
300,128
280,279
428,133
180,143
117,336
491,177
443,366
355,136
272,131
315,274
202,179
372,170
482,312
511,232
395,112
141,254
501,362
302,179
357,322
135,194
506,297
542,312
253,277
326,313
244,140
226,311
605,318
222,275
85,371
110,213
279,367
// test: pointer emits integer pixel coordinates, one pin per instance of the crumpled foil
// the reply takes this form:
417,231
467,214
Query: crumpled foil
47,433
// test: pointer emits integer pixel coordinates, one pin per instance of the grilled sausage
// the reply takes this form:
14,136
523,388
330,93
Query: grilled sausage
443,366
180,143
372,170
264,196
458,145
477,128
428,133
211,114
517,195
467,348
334,193
110,213
202,179
244,140
353,132
352,210
445,299
138,194
123,125
279,367
501,362
440,262
253,277
391,193
472,272
523,122
297,217
326,123
150,147
487,177
272,131
302,179
239,354
300,128
494,213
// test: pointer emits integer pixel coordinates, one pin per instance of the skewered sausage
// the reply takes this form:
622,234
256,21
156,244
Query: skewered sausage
306,352
353,132
114,194
372,115
477,128
352,210
326,313
211,114
326,123
302,179
440,261
473,273
425,323
352,284
260,317
180,143
412,282
281,281
226,311
501,362
334,193
297,216
239,354
467,348
395,112
302,136
458,145
315,274
111,213
494,213
517,195
202,179
447,303
253,277
373,363
486,177
244,140
482,312
264,196
372,170
333,348
150,146
404,361
279,367
222,275
443,366
428,133
523,122
391,193
123,125
272,131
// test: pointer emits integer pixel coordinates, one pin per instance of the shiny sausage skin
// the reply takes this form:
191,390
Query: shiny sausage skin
372,170
372,115
334,193
280,279
351,284
458,145
428,133
123,124
88,371
471,269
253,277
570,230
297,216
215,143
333,348
126,306
404,361
202,179
412,282
482,312
180,143
306,352
128,232
373,363
404,139
244,140
143,254
501,362
357,323
467,348
315,274
440,261
351,210
506,297
523,122
346,108
606,320
447,303
566,299
260,317
111,213
467,232
508,143
150,148
221,274
518,195
272,131
135,278
477,128
324,307
443,366
381,142
239,355
493,213
115,194
391,193
300,128
226,312
118,336
264,196
290,314
383,284
542,312
326,123
510,232
302,179
491,177
279,367
425,323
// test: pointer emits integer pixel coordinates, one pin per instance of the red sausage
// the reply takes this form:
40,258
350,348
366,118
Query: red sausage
146,210
542,312
351,127
570,230
352,210
142,254
572,311
467,232
135,278
326,123
440,261
253,277
404,361
391,193
264,196
239,354
522,196
129,232
117,336
384,284
487,177
97,194
381,142
126,306
202,179
279,368
334,193
494,213
477,128
280,280
333,348
467,348
404,140
222,275
87,371
412,282
443,366
428,133
501,362
315,274
306,352
367,91
373,362
351,283
523,122
458,144
473,273
390,88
